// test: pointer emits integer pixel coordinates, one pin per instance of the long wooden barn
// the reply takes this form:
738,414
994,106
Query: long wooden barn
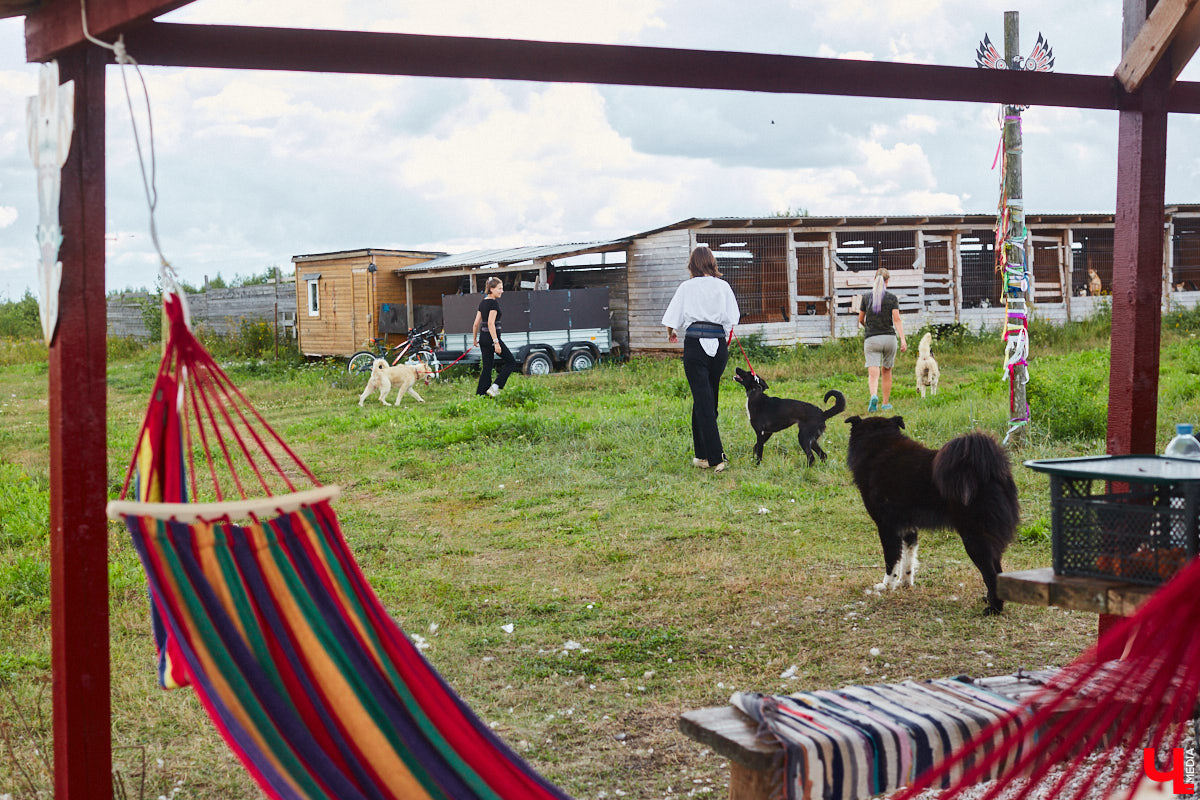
797,279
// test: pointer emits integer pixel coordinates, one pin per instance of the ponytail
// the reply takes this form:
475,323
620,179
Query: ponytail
878,288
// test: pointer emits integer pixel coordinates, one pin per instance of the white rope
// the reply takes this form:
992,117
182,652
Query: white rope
167,275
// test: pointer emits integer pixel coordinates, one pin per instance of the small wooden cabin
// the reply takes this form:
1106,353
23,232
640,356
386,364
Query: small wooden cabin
345,299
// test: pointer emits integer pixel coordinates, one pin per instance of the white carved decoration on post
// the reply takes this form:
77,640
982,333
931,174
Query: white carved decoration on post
49,123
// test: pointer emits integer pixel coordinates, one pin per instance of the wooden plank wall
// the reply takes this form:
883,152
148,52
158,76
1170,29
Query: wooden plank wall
219,310
331,333
657,265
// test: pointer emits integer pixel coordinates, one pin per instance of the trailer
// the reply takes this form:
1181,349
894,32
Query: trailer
566,329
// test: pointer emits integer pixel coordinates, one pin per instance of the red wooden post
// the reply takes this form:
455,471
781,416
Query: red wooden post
78,457
1138,259
1138,262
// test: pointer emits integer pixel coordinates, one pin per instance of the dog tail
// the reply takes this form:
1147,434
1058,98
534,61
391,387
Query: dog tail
839,403
973,472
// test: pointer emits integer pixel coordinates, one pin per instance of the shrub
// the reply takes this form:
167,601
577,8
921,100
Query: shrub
121,348
20,319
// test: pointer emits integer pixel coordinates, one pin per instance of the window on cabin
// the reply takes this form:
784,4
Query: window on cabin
755,267
314,297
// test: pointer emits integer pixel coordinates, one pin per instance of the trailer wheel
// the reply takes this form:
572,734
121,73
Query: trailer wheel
580,360
538,363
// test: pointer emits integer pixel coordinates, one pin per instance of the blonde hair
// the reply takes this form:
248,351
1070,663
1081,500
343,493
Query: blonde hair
702,262
882,276
492,283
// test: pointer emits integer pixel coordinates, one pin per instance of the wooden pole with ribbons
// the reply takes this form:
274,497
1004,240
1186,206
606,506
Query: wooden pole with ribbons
1013,255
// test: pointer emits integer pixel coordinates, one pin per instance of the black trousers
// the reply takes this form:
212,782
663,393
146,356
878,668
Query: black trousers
703,374
488,352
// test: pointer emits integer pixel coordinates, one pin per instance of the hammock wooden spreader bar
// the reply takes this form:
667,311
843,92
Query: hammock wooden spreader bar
298,664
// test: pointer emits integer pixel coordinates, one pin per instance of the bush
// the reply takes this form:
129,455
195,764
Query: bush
121,348
20,319
23,351
755,350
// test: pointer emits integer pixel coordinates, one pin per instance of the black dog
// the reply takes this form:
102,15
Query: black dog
769,415
967,485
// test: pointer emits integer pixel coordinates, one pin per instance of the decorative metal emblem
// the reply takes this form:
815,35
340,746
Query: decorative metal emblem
1040,60
49,123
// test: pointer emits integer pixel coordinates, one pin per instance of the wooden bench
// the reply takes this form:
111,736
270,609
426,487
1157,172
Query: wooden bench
756,767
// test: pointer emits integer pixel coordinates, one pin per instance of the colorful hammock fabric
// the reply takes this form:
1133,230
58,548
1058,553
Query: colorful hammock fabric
309,681
860,741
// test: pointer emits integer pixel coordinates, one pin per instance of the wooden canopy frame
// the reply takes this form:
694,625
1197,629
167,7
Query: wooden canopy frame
1143,90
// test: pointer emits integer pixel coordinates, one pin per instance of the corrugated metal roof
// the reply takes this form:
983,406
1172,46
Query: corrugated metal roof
873,220
513,255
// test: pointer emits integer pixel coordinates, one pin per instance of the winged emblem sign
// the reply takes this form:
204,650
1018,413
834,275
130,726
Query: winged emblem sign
1040,60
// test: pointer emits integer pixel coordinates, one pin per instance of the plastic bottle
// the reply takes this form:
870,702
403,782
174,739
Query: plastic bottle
1184,445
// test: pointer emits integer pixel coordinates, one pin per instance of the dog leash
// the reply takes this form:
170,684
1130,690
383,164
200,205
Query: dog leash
455,361
733,338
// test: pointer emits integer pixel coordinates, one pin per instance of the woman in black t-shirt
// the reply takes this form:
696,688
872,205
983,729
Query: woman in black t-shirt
879,313
486,334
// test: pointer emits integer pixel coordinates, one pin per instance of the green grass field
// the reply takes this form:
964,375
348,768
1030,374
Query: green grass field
568,508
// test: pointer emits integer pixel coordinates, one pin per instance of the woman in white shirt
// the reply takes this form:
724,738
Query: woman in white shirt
705,311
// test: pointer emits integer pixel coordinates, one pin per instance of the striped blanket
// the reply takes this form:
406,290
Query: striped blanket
860,741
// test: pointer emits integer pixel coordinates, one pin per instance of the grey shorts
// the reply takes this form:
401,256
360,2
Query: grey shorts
880,350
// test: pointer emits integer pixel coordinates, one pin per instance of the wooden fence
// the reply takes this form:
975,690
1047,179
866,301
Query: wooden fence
219,310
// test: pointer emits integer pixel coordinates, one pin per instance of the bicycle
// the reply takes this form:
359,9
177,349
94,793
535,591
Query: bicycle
418,348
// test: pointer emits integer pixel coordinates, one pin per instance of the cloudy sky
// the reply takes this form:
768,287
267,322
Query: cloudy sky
255,167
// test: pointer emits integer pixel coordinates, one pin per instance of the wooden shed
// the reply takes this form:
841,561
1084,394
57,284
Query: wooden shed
798,279
347,298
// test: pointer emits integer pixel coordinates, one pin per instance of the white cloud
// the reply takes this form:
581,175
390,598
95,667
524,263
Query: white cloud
8,215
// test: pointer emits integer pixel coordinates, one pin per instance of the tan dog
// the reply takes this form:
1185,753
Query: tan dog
1094,284
402,376
927,367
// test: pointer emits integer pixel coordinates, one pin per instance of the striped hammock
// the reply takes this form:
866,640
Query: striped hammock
259,605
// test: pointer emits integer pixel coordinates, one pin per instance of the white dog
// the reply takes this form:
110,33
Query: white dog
927,367
402,376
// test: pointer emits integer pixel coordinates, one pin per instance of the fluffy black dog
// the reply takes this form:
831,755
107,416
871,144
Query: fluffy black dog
967,485
769,415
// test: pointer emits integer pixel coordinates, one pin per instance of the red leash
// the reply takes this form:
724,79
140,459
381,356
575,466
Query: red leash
733,338
455,361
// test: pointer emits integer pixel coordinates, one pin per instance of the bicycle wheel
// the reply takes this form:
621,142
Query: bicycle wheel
360,363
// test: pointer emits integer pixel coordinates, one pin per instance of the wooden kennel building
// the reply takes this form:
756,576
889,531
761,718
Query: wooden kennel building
798,279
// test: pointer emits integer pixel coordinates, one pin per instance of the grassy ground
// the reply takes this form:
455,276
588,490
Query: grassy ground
568,508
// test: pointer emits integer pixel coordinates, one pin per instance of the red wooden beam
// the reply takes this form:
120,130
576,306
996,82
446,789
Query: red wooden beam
78,457
237,47
56,25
